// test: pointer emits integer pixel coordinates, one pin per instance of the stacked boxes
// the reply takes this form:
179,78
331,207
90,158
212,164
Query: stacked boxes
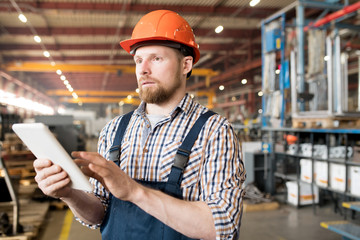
355,177
320,172
306,197
338,177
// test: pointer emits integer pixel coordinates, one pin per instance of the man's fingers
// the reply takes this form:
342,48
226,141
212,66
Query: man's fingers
46,172
92,157
53,188
42,163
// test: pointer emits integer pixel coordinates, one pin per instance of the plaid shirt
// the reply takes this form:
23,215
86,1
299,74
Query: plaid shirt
214,174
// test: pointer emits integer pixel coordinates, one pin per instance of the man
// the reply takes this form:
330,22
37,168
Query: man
141,191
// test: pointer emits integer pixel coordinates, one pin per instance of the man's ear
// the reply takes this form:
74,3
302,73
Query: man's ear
187,64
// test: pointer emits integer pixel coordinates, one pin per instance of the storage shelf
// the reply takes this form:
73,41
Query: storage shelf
333,160
344,228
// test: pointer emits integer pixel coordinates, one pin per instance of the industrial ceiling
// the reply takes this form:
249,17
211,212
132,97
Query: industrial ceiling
82,38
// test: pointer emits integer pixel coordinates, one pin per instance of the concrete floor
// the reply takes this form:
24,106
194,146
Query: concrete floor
286,223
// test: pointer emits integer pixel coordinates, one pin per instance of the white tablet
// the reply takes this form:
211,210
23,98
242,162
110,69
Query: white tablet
43,144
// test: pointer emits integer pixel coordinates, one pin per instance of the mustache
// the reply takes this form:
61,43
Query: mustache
146,78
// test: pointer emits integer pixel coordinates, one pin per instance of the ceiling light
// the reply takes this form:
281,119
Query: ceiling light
37,39
62,77
244,81
221,87
260,111
233,98
260,93
277,71
253,3
219,29
52,63
129,97
75,95
46,54
327,58
80,104
137,90
59,72
22,18
66,82
70,89
121,103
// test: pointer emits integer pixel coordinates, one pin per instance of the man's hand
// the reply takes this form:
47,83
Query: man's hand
51,179
108,173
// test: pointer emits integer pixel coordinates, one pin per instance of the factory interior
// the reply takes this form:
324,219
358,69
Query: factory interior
284,73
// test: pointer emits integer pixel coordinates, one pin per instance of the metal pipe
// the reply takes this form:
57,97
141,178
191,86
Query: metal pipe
329,71
300,56
337,68
346,10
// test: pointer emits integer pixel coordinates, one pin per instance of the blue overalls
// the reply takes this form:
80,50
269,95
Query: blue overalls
126,221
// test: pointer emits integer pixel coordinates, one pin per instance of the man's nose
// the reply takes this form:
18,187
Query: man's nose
145,68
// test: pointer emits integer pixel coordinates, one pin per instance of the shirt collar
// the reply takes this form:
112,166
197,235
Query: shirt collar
184,105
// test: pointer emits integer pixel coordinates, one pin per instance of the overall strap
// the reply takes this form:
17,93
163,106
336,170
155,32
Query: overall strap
115,148
183,153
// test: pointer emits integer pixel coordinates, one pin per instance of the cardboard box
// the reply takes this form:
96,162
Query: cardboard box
321,173
306,196
306,170
337,177
355,180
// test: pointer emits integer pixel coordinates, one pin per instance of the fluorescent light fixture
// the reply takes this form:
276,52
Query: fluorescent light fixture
244,81
254,3
21,102
59,72
219,29
62,77
46,54
22,18
221,87
37,39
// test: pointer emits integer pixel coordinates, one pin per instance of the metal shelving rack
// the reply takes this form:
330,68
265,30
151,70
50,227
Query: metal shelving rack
276,54
348,137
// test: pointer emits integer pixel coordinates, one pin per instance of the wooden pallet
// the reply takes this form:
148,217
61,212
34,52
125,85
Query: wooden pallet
31,217
258,207
326,122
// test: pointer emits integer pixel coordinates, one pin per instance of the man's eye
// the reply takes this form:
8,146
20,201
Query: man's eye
138,61
157,59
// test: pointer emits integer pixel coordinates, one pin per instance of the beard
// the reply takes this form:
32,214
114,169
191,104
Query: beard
158,94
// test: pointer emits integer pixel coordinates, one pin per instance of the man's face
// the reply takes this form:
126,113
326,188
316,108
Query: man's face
158,73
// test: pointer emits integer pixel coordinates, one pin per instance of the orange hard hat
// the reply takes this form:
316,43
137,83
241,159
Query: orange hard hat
162,25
